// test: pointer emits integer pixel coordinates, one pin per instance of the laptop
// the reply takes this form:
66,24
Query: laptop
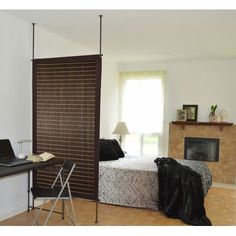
7,156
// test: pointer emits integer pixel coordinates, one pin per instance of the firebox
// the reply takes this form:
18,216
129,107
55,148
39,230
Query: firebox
201,149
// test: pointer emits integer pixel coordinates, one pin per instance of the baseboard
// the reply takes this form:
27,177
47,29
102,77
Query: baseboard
223,185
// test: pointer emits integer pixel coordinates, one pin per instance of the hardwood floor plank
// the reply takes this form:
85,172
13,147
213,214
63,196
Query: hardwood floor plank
220,205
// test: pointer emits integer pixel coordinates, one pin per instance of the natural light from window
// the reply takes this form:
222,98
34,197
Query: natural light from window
143,113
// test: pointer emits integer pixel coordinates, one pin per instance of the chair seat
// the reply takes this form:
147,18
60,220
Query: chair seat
49,193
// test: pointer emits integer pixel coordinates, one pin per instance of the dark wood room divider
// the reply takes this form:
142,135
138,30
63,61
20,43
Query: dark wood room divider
66,111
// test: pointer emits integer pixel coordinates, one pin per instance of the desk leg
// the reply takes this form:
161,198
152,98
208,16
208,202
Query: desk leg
28,190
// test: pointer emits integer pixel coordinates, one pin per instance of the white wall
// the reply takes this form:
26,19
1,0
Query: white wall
109,112
48,44
15,104
16,94
202,82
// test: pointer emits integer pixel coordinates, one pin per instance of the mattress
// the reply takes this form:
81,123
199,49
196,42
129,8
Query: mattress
133,182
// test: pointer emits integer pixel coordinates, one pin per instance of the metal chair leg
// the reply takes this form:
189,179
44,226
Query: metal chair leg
39,211
73,210
67,212
51,211
71,203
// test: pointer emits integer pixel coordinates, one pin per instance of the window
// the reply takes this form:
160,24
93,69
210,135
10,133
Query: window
142,109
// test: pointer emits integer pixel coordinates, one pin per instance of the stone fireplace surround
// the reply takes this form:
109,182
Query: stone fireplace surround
223,171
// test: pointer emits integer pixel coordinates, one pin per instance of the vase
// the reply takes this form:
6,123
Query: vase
212,118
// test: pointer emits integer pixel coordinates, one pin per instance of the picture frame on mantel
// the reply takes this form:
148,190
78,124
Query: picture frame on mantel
192,112
181,115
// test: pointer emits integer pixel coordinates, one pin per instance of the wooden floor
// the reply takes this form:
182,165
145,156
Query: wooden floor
220,207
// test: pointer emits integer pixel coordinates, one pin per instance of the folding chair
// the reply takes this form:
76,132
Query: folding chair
55,194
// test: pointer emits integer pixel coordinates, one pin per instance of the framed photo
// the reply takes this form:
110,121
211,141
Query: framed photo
191,112
181,115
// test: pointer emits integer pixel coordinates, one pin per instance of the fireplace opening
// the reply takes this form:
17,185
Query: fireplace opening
201,149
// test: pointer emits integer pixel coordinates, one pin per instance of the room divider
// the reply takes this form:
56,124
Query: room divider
66,111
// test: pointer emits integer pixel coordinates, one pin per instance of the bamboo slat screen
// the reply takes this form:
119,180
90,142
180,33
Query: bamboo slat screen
66,111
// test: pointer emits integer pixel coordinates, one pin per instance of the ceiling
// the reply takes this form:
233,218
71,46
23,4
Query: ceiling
141,35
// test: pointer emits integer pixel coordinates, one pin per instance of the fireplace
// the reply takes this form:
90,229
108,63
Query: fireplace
201,149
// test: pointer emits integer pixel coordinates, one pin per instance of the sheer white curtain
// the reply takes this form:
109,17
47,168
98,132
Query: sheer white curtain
142,108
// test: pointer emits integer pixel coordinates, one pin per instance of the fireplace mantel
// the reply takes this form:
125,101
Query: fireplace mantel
221,125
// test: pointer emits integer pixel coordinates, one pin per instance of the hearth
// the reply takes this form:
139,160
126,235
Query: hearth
201,149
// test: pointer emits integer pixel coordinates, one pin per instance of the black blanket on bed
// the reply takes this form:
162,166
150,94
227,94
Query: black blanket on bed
180,192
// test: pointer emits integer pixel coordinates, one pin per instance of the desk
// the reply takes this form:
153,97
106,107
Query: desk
8,171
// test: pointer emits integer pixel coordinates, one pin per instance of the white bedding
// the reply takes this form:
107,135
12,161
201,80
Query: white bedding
132,181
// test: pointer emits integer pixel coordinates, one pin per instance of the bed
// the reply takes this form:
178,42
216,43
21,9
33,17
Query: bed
132,181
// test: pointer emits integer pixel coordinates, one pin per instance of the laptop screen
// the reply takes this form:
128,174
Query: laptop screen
6,148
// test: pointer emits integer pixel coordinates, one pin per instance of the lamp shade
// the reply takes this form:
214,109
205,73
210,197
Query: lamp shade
121,129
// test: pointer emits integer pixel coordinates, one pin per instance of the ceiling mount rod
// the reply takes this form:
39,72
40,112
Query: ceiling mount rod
100,53
100,39
33,42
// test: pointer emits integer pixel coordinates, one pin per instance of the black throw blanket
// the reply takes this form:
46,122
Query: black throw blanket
180,192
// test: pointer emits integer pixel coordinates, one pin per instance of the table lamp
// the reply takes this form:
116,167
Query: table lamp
121,129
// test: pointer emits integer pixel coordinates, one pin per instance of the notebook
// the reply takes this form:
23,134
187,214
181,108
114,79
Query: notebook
7,156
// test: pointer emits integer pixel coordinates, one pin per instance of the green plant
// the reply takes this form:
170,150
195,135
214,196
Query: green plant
213,110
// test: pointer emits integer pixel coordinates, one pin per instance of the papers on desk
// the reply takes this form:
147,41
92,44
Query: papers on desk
42,157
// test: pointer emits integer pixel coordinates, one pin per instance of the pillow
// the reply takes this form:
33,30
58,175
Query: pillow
107,152
117,148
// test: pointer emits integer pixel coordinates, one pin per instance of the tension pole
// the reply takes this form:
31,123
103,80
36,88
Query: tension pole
100,36
29,177
100,52
33,42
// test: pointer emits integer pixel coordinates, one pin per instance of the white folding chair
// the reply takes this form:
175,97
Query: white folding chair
55,194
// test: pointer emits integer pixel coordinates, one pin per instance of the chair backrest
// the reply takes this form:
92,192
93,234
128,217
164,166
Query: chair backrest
64,175
68,165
